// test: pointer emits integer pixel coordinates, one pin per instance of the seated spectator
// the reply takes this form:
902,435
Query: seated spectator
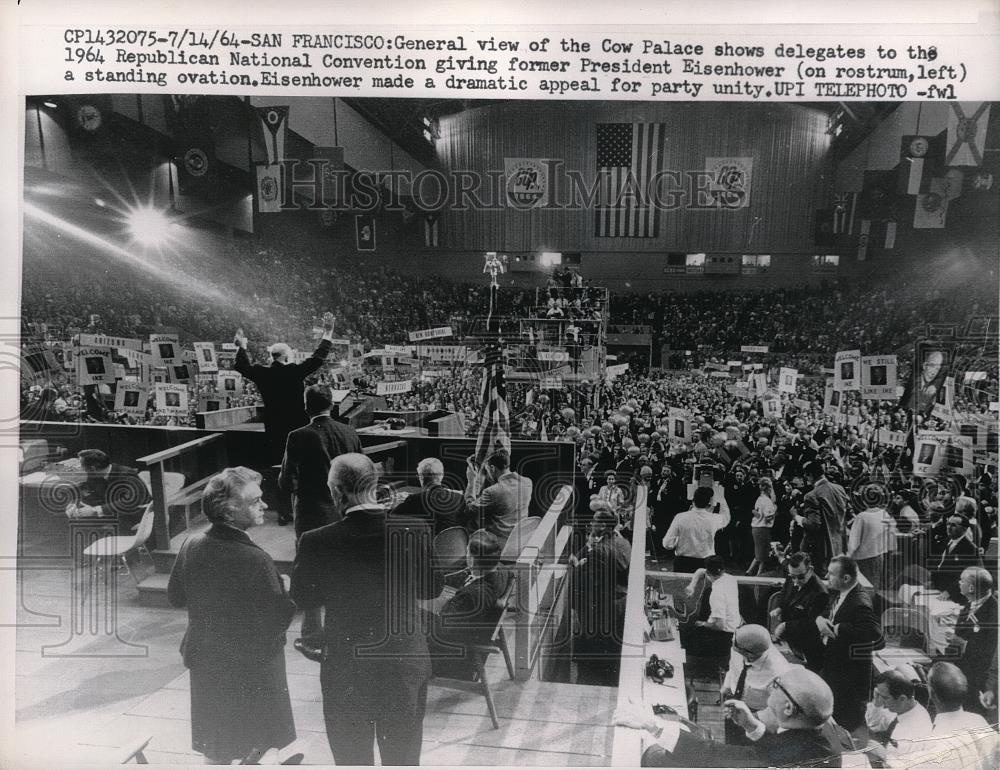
958,554
896,720
975,636
470,614
754,662
434,501
110,490
958,740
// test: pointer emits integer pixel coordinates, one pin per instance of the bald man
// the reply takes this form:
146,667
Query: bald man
976,632
799,706
367,572
958,739
754,662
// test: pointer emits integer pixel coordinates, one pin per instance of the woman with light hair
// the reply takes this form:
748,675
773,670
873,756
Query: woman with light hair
764,511
238,611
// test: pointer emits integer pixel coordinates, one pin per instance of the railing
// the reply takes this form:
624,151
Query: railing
540,572
225,418
154,463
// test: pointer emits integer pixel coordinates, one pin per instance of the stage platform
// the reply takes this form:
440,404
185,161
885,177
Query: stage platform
80,697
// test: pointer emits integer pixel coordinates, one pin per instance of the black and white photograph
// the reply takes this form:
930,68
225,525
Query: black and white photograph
430,509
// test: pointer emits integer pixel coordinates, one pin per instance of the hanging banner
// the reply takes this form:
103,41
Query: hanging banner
166,349
269,188
846,370
93,365
229,382
171,400
364,232
527,182
131,399
443,352
392,388
205,356
103,340
430,334
788,379
274,121
942,452
752,349
402,349
729,181
878,377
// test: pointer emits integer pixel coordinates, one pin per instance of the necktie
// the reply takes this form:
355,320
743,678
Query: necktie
741,683
705,608
889,731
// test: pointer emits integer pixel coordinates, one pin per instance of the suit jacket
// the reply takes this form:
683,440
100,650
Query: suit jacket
435,503
947,567
368,570
238,609
800,606
583,488
801,747
281,386
122,493
825,508
980,635
859,634
501,505
306,466
469,617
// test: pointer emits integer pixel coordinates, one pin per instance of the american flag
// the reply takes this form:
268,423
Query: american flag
844,207
494,423
629,155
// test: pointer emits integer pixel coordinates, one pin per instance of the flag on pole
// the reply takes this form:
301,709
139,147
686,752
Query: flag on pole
629,156
967,125
494,426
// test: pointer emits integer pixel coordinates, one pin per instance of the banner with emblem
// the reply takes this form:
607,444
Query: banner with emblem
274,121
205,357
171,399
729,181
967,123
269,188
131,399
931,210
878,377
527,182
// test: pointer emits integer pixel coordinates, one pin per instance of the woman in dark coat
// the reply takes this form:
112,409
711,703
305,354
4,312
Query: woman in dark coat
238,611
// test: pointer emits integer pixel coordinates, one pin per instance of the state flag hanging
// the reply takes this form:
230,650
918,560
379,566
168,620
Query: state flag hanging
431,219
845,205
269,187
275,123
967,125
931,210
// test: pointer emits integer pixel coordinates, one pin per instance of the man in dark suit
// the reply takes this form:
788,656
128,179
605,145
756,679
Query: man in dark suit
976,633
851,632
803,598
368,571
434,502
824,510
795,730
959,552
110,491
304,472
280,385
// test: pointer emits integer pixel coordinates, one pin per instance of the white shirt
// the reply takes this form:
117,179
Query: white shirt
958,741
873,533
724,603
909,735
763,512
692,533
769,665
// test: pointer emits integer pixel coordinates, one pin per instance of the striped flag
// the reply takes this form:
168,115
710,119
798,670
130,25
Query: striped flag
629,157
494,424
845,206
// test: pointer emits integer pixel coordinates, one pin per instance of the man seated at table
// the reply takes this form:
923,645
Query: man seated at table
718,615
754,662
794,730
434,501
110,491
472,605
959,553
896,719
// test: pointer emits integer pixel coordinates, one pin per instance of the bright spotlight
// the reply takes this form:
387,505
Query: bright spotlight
50,105
148,226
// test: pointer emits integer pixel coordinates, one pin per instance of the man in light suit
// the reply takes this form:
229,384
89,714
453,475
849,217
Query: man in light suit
503,503
304,472
824,511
